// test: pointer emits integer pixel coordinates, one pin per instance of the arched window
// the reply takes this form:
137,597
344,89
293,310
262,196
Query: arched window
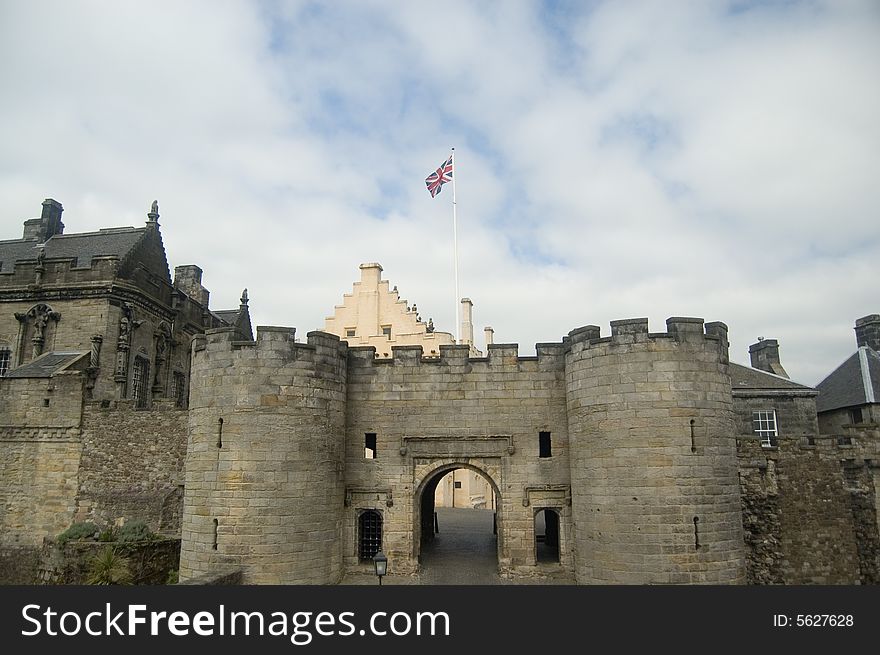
369,534
547,535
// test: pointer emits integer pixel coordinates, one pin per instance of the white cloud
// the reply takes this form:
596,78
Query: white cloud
615,160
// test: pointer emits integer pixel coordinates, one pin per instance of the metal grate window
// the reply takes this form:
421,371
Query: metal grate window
5,357
369,534
139,377
764,425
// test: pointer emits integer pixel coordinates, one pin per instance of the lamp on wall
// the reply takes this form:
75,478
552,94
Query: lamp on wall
380,562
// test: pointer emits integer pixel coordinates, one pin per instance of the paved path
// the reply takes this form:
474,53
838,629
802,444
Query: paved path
464,551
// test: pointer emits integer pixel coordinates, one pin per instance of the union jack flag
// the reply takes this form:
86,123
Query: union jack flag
439,177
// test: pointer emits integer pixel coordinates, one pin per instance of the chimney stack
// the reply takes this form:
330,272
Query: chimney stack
765,357
48,225
369,309
868,332
467,321
189,280
490,335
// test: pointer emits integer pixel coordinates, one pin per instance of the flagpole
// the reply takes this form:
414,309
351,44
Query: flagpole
455,252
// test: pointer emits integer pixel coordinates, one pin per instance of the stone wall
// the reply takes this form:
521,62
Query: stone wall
80,319
797,512
39,456
838,421
132,464
862,478
41,404
18,564
795,411
220,577
23,274
653,474
432,415
264,471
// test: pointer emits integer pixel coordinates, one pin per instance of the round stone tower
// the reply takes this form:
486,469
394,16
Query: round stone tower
264,486
655,492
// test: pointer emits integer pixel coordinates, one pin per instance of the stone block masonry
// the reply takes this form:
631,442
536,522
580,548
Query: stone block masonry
132,464
655,492
432,415
264,471
642,471
810,509
40,452
37,488
64,460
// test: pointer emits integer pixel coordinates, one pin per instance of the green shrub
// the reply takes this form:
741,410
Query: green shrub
107,534
173,577
134,531
109,568
78,532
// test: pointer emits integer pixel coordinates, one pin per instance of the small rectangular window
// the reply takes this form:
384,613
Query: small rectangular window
370,445
349,332
386,332
458,484
764,425
544,449
855,415
5,357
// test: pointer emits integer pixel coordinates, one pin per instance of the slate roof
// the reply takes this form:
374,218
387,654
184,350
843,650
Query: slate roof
228,316
745,377
111,242
855,382
238,318
45,366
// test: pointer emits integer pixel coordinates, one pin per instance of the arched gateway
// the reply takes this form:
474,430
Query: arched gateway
424,527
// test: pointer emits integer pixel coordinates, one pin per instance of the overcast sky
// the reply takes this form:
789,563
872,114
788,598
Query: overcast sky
614,160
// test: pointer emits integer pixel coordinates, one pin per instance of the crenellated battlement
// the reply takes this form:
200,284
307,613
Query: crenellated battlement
499,355
635,330
272,342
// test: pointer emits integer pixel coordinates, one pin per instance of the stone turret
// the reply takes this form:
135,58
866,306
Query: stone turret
655,494
265,457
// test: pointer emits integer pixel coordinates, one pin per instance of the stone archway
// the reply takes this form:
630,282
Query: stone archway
423,501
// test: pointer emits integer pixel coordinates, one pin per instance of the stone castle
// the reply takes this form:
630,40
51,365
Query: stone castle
645,457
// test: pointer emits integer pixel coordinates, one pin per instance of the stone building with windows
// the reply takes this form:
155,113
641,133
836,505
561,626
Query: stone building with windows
95,340
636,456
